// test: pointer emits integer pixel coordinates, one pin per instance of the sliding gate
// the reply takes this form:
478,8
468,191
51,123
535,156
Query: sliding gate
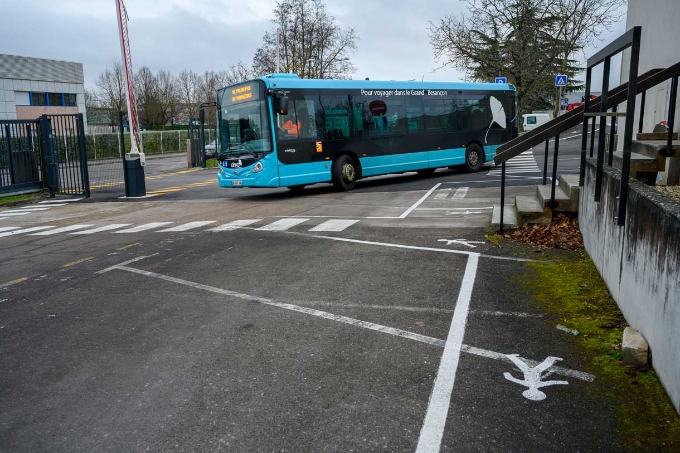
20,154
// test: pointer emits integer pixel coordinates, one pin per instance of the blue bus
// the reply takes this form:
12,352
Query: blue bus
283,131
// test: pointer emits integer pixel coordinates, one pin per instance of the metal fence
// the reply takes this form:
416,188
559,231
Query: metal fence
105,146
20,155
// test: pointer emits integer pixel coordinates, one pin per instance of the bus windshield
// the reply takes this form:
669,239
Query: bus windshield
244,121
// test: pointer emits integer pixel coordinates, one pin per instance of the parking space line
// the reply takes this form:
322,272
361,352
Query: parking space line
440,400
417,203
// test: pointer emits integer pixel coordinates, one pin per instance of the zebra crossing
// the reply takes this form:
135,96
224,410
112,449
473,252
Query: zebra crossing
32,209
523,163
284,224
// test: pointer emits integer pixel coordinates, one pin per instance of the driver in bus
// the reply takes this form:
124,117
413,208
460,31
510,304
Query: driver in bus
288,128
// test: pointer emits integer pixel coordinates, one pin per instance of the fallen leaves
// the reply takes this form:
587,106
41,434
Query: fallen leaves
561,233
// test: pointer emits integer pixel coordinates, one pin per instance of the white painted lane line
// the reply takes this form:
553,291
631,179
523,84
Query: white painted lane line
461,192
27,230
146,226
282,225
235,225
14,213
358,323
440,399
70,200
441,195
417,203
113,226
8,229
334,225
61,230
518,314
186,226
41,208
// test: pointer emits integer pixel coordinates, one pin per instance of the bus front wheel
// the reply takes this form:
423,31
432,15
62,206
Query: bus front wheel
344,173
474,157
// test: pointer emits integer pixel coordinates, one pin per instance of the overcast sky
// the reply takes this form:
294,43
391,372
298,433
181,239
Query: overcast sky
211,34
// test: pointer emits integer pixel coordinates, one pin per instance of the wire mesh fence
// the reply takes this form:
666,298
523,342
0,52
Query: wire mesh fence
106,146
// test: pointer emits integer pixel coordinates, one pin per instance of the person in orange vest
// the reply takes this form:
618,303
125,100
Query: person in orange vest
288,128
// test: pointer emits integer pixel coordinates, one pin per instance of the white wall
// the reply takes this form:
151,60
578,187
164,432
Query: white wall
659,48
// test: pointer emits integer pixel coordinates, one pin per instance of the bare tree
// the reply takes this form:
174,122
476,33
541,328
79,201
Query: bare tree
110,91
312,44
529,41
235,73
146,95
167,97
188,87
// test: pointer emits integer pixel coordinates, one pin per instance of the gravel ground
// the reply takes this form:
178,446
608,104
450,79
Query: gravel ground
669,191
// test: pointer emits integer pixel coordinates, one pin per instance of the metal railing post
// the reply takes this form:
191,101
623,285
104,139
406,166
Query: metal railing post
584,138
84,172
502,193
603,128
545,162
642,110
592,137
671,116
628,131
554,172
612,136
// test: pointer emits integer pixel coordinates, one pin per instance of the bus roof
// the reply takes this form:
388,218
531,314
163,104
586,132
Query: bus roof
293,81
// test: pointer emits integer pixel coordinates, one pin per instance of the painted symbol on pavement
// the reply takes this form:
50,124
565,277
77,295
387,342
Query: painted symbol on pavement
464,242
532,376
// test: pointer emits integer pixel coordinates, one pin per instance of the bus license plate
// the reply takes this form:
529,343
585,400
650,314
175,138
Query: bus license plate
237,183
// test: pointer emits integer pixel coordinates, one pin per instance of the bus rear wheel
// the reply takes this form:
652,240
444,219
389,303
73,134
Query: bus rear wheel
344,173
474,158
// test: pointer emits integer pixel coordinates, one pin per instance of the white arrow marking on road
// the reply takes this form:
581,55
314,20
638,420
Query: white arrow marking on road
464,242
532,377
463,212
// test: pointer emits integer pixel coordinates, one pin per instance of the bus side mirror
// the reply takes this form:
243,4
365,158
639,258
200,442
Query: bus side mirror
282,108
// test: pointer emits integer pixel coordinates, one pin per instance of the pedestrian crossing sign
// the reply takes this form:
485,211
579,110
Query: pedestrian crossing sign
560,80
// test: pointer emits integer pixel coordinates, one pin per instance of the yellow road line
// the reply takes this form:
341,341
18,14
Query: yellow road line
13,282
73,263
129,246
179,188
148,178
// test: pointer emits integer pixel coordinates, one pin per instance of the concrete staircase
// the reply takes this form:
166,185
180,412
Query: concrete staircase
536,209
647,158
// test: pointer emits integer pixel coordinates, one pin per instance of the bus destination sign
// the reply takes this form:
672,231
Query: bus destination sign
244,93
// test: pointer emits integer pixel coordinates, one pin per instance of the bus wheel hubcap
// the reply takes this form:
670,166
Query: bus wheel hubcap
348,172
474,158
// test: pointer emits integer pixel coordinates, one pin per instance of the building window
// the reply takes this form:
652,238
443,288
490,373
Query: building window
70,100
55,99
38,98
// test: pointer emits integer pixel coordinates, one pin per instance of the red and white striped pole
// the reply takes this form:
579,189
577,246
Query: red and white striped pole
129,82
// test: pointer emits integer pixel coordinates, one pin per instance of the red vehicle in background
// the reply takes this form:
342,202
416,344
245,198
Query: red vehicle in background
574,105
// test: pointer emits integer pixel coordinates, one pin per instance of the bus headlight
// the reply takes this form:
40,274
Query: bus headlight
258,167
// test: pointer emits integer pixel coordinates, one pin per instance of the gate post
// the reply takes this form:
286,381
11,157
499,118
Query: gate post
10,160
84,173
201,134
50,169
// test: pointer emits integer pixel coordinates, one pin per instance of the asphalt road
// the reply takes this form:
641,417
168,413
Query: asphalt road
204,319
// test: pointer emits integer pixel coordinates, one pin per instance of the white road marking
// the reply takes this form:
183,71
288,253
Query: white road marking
518,314
27,230
146,226
235,225
417,203
40,208
461,192
440,400
463,242
8,229
523,163
364,324
14,213
532,377
61,230
463,212
441,195
283,224
113,226
187,226
454,209
71,200
124,263
334,225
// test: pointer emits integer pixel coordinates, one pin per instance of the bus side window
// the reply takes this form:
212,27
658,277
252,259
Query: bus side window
333,120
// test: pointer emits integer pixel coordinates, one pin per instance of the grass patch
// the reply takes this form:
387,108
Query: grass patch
211,163
18,199
573,290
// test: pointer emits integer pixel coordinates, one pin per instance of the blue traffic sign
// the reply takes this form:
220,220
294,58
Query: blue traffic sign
560,80
501,80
